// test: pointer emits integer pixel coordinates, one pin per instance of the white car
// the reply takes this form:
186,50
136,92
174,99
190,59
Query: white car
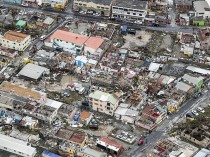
195,112
82,90
82,12
96,14
200,109
138,22
42,37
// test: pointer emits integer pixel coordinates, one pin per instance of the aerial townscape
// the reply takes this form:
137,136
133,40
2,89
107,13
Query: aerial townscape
104,78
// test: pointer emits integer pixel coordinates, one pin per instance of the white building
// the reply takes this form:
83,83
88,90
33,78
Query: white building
16,146
15,40
131,10
74,43
202,9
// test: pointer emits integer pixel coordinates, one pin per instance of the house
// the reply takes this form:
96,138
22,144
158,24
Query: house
154,112
129,10
81,61
85,117
172,147
202,9
184,6
47,112
58,4
68,41
21,91
21,24
46,153
125,114
48,22
202,153
196,82
89,152
188,49
101,7
13,1
74,137
15,40
93,46
198,70
33,71
29,122
204,38
103,102
110,145
16,146
184,87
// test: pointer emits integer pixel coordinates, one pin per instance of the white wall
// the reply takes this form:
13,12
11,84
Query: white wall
19,46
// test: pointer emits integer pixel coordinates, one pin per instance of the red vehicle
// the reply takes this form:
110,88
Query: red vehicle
140,142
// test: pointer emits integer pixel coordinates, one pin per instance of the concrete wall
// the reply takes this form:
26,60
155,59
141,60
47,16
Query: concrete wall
16,45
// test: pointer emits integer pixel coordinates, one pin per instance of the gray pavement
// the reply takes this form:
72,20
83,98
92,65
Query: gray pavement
169,28
161,130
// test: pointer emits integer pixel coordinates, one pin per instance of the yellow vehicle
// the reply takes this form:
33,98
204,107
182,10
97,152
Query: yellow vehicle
189,116
26,60
172,134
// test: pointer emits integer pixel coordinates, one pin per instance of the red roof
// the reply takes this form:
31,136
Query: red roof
94,42
111,142
70,37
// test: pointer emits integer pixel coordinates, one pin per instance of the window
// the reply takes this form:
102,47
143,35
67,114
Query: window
128,12
108,108
125,9
108,104
134,13
102,7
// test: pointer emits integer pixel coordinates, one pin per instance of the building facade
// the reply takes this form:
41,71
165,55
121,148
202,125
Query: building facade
102,7
59,4
15,40
129,10
103,102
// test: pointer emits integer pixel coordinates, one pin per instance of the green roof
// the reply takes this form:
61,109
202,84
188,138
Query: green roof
99,95
21,23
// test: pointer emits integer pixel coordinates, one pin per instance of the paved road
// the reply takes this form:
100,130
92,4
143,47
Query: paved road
188,29
160,131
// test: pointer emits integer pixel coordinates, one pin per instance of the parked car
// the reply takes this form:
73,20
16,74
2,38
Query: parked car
96,14
82,12
195,112
200,109
190,116
82,90
138,22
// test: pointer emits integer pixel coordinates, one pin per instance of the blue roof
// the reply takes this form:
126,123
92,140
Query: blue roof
50,154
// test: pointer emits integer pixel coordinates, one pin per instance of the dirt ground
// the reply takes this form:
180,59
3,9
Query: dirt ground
140,39
80,29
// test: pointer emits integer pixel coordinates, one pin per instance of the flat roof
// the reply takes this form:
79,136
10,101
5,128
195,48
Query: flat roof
17,145
33,71
200,6
15,36
99,95
134,4
183,86
19,91
53,103
198,70
104,2
192,79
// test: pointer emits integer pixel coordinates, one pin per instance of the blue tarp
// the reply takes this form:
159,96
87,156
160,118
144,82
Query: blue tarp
124,28
76,117
50,154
